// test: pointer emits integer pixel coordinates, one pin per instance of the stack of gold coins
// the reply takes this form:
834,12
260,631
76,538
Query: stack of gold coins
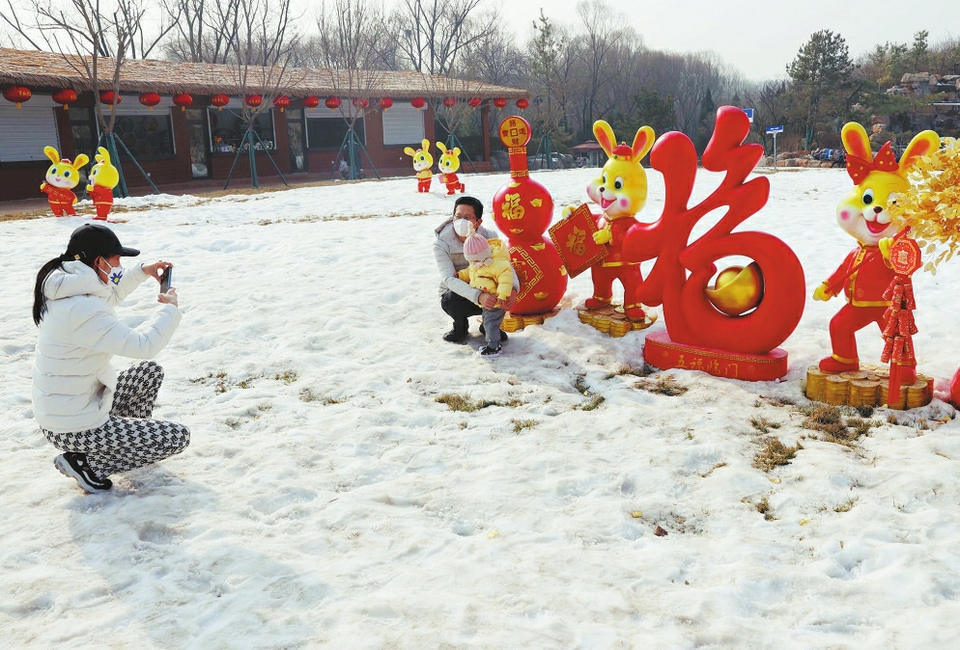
882,372
864,392
585,316
900,404
511,324
619,327
928,380
533,320
815,383
601,323
851,375
916,394
835,390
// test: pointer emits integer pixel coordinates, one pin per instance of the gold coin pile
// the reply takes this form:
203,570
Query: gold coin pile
866,387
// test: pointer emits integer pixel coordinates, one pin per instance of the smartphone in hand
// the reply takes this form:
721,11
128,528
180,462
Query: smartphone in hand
165,280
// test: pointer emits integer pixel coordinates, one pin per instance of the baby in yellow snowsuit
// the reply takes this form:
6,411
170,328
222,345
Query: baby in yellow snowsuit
489,271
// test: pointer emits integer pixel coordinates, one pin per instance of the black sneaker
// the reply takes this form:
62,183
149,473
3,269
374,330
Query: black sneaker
503,335
455,336
487,351
75,466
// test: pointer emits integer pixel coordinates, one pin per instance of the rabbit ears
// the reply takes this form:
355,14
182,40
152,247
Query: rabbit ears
103,156
424,146
443,150
860,160
642,141
82,159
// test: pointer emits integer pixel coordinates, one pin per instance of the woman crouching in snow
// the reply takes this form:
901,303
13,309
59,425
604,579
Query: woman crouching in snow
100,420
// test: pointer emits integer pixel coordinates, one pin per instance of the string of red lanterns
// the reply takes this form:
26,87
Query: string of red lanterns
522,103
253,101
281,102
333,103
385,103
475,102
499,102
418,102
450,102
311,102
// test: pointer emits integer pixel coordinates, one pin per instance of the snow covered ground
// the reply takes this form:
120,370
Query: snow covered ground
329,500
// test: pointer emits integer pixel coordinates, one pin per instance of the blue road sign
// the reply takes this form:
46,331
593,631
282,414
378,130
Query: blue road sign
749,112
774,129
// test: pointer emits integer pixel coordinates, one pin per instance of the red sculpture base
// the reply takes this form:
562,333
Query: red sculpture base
660,351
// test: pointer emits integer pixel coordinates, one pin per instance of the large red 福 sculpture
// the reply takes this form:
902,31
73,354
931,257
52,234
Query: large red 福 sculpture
726,324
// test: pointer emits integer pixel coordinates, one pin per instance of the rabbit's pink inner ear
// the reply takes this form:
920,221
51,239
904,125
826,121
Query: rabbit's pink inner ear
642,143
605,137
855,141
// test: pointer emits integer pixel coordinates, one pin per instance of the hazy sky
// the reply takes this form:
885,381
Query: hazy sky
759,38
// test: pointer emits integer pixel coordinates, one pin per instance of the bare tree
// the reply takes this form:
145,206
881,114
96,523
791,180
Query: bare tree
94,38
350,46
204,29
434,33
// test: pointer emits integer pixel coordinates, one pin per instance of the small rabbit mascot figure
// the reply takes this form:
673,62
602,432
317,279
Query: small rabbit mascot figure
422,162
103,178
449,163
62,176
866,273
621,192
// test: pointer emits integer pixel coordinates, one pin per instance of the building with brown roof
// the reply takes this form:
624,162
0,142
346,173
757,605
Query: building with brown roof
183,136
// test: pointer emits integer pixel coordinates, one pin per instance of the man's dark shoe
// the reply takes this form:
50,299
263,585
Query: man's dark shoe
75,466
503,335
455,336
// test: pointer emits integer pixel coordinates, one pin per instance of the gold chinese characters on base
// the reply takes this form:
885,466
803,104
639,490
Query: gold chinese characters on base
866,387
611,320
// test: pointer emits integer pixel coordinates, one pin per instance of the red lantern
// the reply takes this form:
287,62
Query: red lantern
311,102
149,99
385,103
65,96
333,103
475,102
219,101
17,94
281,102
253,100
108,97
361,103
418,102
450,102
183,100
499,102
522,104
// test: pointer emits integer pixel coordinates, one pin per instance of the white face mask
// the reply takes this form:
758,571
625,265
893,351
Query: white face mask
112,273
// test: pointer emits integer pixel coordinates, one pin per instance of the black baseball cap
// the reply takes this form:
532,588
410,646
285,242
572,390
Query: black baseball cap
93,240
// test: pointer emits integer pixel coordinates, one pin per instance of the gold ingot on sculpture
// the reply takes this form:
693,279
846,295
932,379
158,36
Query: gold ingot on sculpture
737,289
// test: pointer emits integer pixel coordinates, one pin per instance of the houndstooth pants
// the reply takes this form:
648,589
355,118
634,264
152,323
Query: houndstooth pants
129,439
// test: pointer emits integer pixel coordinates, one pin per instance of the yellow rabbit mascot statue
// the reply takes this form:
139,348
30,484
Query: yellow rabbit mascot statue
62,176
422,162
865,273
103,178
448,164
621,192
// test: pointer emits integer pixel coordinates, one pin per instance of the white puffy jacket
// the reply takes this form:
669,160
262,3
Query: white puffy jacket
73,381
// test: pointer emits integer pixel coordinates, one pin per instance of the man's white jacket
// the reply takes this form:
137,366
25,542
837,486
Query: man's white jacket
73,381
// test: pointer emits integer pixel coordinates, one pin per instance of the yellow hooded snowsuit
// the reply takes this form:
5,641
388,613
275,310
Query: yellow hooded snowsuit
494,277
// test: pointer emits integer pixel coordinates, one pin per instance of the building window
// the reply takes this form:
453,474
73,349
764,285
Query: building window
402,125
146,136
329,132
227,130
